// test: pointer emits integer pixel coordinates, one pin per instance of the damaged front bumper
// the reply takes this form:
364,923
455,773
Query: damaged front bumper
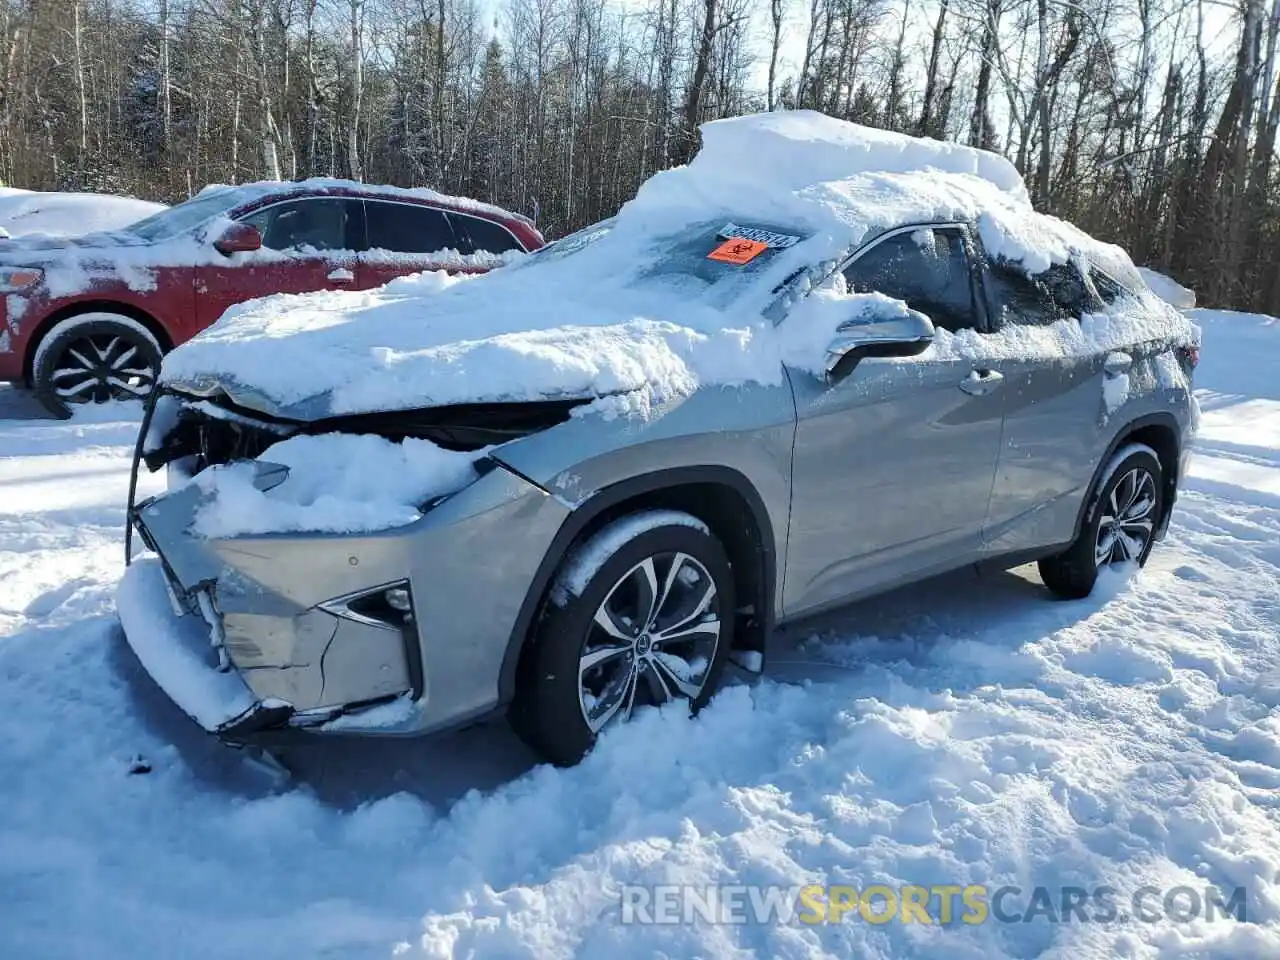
395,632
174,650
248,632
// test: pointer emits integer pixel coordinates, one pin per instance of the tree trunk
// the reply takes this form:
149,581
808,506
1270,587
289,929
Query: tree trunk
701,67
775,41
925,127
357,89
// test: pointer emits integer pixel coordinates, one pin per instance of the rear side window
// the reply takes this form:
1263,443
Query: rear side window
408,228
312,223
1058,293
1108,290
928,269
477,234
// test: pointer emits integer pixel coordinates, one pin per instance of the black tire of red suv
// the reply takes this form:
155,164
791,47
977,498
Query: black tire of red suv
93,358
549,710
1072,574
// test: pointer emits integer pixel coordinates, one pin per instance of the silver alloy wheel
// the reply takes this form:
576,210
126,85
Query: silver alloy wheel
101,367
654,635
1124,532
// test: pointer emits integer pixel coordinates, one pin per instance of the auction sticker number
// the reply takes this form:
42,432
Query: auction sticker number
738,250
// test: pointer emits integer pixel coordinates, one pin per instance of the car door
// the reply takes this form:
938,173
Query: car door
893,465
307,246
1055,403
405,237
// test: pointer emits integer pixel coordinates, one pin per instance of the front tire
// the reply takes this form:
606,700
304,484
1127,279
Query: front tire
640,614
94,358
1119,524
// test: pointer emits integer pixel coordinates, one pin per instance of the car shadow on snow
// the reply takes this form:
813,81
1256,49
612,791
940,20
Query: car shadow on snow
1002,608
19,404
999,608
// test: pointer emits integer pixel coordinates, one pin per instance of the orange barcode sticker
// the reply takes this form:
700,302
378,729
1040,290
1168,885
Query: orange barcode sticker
738,250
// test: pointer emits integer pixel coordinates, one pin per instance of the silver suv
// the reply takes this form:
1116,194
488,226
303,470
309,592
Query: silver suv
594,565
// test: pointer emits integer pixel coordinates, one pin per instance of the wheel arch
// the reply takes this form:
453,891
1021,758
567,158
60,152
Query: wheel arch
719,496
1161,433
80,307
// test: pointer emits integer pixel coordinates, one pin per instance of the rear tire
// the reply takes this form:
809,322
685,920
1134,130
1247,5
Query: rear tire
640,614
1119,524
93,358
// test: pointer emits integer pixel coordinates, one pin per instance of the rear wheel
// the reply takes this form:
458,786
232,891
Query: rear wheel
640,615
94,358
1119,524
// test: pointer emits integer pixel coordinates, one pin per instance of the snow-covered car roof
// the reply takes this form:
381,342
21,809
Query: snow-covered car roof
608,311
248,192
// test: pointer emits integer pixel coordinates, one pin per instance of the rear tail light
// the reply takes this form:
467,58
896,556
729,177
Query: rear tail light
1189,357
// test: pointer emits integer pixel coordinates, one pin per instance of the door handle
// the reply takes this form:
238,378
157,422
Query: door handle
981,382
1117,363
341,275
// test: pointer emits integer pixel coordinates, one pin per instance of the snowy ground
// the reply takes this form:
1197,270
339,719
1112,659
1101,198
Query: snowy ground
962,732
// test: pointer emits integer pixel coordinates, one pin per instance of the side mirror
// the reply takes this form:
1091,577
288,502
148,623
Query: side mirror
901,335
238,238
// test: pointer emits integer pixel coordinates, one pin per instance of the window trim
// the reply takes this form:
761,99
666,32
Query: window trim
973,251
244,214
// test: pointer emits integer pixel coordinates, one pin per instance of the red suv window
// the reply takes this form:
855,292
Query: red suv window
320,223
483,234
407,228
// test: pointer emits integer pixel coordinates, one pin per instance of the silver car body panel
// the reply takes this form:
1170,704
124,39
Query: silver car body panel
892,474
1059,430
748,429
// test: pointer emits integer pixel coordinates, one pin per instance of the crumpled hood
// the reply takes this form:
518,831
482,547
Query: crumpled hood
417,343
531,332
323,406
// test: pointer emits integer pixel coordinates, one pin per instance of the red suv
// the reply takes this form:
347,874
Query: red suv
87,319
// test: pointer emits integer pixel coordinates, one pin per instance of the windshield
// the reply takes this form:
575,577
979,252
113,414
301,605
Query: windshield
715,262
712,262
185,216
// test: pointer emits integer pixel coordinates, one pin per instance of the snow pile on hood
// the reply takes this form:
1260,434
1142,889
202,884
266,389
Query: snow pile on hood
617,309
28,212
341,483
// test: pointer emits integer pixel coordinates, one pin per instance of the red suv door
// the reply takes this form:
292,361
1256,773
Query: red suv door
405,237
308,244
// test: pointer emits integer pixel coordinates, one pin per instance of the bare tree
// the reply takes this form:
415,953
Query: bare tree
1120,113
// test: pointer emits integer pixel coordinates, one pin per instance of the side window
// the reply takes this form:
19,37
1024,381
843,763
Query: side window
1066,287
315,223
928,269
408,228
1056,294
1109,291
483,234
